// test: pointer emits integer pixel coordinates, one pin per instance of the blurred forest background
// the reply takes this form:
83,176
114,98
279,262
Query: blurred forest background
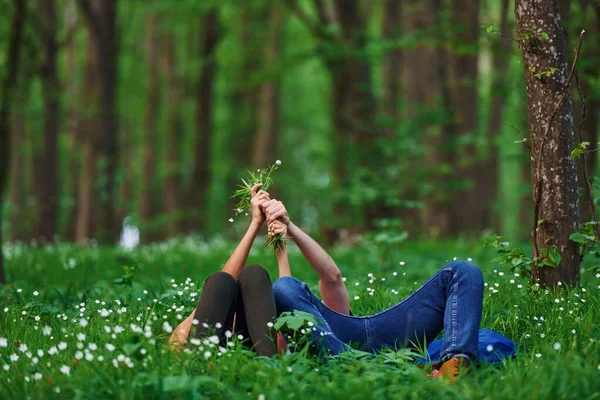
383,110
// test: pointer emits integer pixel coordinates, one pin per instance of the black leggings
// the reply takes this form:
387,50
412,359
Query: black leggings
250,298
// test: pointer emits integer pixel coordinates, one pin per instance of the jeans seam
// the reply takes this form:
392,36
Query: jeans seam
454,313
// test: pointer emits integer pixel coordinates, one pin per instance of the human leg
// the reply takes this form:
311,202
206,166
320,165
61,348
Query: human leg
217,305
257,308
334,331
450,300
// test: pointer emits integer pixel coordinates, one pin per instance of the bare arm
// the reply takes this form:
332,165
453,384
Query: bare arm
275,228
331,285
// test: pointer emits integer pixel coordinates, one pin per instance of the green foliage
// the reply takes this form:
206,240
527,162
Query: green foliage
579,150
127,277
514,258
540,74
261,176
556,330
289,322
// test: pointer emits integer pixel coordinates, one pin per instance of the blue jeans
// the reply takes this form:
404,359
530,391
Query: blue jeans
450,300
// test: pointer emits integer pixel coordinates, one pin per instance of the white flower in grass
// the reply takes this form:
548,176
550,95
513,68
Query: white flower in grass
14,357
79,355
65,370
6,367
556,346
356,297
110,347
3,342
214,339
278,162
167,327
40,352
35,360
230,220
36,293
62,346
83,322
53,350
228,334
81,337
107,329
118,329
240,337
538,355
5,309
261,397
104,313
573,331
195,341
207,354
19,290
37,376
270,324
218,325
22,348
46,330
93,346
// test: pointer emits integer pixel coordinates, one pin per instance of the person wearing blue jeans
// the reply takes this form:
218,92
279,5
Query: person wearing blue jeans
451,300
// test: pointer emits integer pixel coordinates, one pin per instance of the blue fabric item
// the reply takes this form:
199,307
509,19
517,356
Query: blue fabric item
450,300
501,348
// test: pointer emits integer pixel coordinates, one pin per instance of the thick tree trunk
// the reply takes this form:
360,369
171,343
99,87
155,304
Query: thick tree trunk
172,192
204,122
101,17
267,122
146,208
555,183
423,83
6,99
470,210
48,181
487,173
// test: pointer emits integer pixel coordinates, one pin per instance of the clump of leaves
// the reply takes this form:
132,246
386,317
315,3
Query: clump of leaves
275,243
515,259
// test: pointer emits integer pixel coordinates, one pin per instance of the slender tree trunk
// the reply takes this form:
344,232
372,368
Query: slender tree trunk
87,176
149,141
556,193
392,66
487,172
6,98
49,182
204,121
470,210
267,126
16,189
73,121
101,17
172,192
423,69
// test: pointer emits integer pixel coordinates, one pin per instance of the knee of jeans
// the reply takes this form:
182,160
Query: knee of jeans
285,290
469,271
254,275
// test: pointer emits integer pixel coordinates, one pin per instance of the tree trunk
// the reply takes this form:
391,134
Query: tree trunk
16,189
423,83
146,207
555,183
204,122
392,66
73,122
267,122
172,192
6,98
487,172
48,181
101,18
470,210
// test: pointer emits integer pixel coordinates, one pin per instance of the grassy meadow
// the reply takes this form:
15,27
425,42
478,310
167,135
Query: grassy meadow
76,324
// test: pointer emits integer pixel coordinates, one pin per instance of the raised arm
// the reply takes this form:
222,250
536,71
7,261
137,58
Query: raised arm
277,227
331,285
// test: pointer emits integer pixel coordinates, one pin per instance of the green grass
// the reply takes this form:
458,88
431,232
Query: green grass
61,286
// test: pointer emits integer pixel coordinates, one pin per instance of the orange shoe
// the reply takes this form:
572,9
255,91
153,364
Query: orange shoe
450,370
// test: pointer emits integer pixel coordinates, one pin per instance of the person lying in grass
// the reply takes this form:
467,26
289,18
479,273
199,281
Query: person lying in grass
237,299
450,300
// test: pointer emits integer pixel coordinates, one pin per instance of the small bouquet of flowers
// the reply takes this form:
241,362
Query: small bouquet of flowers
274,242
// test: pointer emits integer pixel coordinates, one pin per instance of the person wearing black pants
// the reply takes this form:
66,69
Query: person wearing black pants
239,299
